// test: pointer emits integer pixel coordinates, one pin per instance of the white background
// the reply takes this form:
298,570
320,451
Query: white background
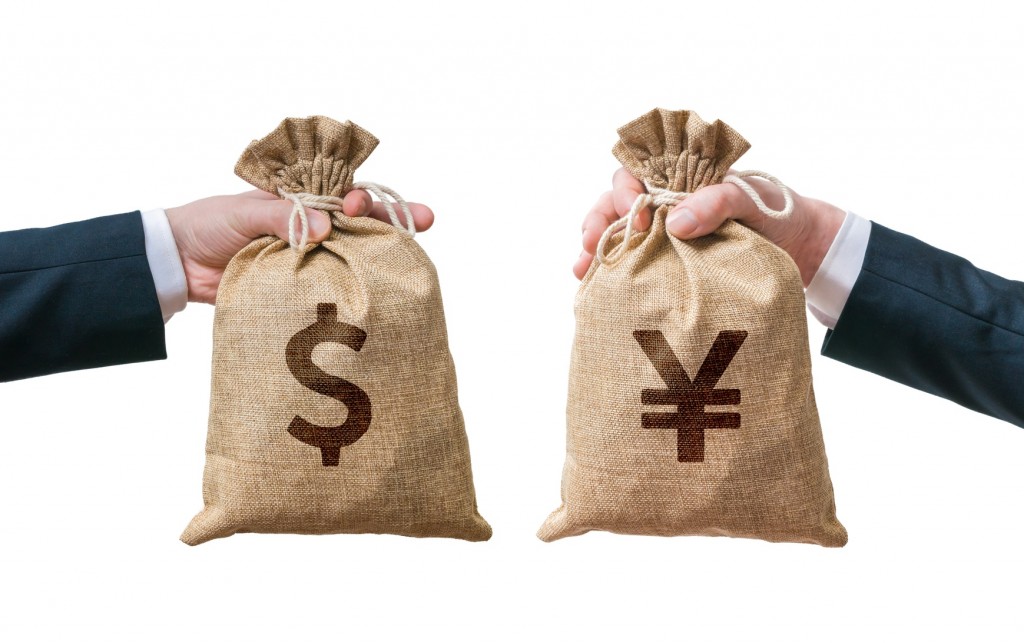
502,117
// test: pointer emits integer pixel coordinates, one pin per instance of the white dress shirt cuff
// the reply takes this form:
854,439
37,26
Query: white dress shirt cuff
164,263
831,285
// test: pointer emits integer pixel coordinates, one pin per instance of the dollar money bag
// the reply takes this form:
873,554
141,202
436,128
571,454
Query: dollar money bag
691,408
333,404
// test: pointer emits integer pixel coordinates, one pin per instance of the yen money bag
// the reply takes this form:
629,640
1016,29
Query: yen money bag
691,409
333,401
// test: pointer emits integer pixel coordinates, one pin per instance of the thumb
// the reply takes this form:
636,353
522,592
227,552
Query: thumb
705,210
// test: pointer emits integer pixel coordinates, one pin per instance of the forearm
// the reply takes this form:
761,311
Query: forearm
933,321
75,296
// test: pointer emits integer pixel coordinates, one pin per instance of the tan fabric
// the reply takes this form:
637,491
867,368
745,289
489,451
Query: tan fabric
333,406
317,155
644,379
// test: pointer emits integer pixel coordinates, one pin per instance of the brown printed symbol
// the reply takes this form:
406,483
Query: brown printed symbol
299,355
691,419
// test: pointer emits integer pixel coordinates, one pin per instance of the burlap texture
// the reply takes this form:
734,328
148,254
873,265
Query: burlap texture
318,155
765,478
409,473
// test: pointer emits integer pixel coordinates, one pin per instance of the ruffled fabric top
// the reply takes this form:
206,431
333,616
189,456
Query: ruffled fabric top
677,150
317,155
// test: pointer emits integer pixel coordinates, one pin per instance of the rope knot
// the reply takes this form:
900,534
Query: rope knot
660,197
303,200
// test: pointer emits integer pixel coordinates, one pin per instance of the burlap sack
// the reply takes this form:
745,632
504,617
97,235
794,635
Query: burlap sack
333,406
691,410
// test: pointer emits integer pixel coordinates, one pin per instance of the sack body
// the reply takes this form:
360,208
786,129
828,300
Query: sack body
334,405
691,408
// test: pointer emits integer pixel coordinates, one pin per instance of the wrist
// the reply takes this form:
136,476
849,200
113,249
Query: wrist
821,223
175,218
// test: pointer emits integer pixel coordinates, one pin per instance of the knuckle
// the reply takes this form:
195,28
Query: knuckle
718,206
737,199
709,206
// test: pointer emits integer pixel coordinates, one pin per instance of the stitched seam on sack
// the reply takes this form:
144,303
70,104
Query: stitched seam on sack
73,263
944,303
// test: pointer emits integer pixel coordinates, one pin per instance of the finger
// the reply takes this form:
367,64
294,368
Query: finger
357,203
597,221
592,237
626,189
602,214
706,209
319,225
422,215
257,218
272,214
582,264
260,194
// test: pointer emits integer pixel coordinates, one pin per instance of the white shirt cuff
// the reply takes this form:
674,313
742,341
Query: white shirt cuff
164,263
831,285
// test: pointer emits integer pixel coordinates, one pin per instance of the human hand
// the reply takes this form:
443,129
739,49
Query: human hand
209,232
806,235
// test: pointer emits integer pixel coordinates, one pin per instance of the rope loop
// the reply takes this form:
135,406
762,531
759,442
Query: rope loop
660,196
787,195
382,192
303,200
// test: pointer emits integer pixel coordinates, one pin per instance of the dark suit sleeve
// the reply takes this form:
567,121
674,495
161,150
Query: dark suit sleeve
931,320
76,296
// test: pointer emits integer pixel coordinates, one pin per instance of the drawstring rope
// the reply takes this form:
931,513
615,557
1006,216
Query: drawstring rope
303,200
660,196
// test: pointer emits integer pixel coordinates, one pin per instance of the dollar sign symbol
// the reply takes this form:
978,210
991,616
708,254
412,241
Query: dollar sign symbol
299,355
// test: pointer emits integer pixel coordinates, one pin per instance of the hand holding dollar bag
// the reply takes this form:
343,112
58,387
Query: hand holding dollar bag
333,403
691,408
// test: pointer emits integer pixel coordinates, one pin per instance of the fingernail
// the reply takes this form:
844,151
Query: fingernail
319,225
365,207
681,222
